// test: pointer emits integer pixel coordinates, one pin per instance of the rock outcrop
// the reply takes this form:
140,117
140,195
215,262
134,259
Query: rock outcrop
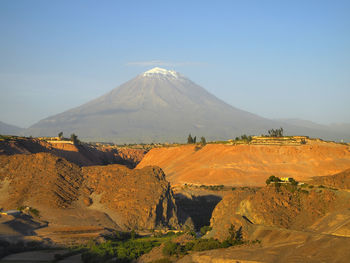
137,199
66,194
39,180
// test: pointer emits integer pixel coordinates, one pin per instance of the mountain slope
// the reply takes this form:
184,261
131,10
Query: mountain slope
8,129
158,105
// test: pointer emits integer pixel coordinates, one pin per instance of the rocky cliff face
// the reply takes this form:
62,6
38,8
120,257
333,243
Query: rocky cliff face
38,180
140,199
65,193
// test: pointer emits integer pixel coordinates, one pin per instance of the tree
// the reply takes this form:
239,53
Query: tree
235,237
292,181
60,135
203,141
74,138
194,139
205,229
276,132
189,139
239,235
274,179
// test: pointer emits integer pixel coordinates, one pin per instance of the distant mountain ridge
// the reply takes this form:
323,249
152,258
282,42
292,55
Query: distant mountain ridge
8,129
159,105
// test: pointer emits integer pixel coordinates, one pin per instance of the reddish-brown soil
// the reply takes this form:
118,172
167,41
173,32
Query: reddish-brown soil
112,196
80,154
249,165
340,180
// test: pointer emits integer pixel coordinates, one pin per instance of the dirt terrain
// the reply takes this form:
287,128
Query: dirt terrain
66,195
340,180
249,165
82,154
286,247
284,207
294,224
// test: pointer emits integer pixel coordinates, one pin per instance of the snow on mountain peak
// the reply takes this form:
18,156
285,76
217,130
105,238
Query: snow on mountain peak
160,72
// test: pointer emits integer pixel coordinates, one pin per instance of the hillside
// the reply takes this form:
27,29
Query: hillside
82,154
245,164
340,180
293,224
8,129
110,196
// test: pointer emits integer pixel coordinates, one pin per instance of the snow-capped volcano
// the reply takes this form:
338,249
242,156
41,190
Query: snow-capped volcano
160,72
156,106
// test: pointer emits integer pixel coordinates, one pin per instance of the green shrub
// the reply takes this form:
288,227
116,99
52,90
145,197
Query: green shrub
273,179
292,181
205,229
124,251
170,248
34,211
189,246
206,244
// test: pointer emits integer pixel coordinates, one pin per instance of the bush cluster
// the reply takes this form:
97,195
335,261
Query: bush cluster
276,132
244,137
193,140
31,210
235,238
124,251
213,187
205,229
273,179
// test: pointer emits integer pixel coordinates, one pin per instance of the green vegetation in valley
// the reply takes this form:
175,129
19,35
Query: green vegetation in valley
125,247
205,229
201,244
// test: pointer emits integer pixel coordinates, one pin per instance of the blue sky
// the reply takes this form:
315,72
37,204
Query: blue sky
278,59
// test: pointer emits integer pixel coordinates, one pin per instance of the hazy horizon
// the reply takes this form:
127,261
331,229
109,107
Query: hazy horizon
274,59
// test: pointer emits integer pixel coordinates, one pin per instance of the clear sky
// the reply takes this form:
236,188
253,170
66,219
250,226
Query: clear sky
278,59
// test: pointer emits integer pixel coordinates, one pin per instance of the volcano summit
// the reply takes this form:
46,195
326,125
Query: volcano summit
158,105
